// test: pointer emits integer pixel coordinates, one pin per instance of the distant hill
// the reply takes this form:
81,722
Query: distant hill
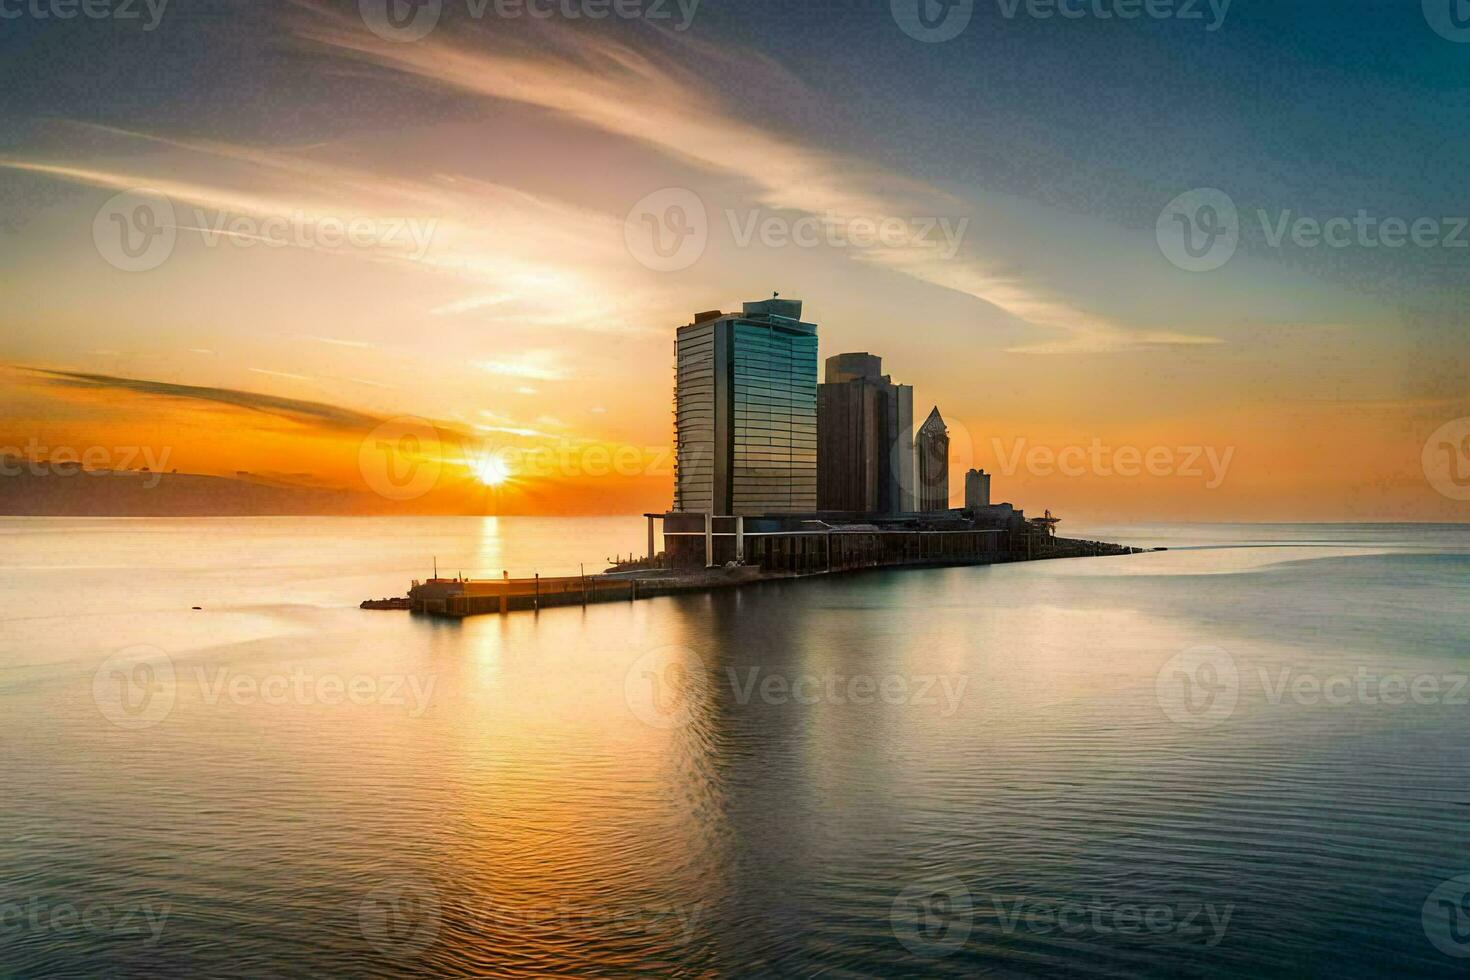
70,492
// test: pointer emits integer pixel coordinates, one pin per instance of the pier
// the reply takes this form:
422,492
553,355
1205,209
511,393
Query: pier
702,553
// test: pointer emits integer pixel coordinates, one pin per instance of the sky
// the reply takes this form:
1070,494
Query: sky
1146,266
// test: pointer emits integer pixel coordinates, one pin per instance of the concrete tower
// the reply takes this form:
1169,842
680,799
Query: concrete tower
931,446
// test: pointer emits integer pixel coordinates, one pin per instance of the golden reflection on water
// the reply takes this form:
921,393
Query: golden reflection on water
489,548
560,831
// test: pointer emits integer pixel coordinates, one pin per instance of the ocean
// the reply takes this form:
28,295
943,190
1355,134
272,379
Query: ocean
1246,755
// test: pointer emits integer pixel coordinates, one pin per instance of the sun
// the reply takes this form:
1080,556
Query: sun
490,470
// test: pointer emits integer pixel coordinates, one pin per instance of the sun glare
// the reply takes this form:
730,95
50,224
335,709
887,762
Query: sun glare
490,470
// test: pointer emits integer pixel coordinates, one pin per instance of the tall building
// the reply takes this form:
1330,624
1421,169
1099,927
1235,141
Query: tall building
977,489
745,411
865,443
931,447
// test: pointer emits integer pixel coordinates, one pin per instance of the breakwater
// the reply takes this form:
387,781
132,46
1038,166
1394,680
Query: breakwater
801,557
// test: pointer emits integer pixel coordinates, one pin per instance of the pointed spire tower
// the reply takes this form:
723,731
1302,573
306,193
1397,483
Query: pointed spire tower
931,446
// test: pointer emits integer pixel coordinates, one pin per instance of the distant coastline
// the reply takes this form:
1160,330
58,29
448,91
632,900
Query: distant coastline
82,493
70,491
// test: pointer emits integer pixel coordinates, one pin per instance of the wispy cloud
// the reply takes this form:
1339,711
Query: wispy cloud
511,430
536,259
293,409
499,424
532,365
658,102
281,374
338,342
470,303
526,259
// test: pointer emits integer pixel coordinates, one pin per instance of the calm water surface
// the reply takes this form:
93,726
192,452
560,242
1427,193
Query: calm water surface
1248,755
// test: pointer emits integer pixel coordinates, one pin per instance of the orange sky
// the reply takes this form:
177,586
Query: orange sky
497,292
1292,461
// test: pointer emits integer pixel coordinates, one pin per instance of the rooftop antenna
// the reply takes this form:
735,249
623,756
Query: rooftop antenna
436,566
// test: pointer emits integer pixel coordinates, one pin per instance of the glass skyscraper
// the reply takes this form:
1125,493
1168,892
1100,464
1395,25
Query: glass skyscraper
745,411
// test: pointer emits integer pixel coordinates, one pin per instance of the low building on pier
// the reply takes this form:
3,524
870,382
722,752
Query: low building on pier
826,541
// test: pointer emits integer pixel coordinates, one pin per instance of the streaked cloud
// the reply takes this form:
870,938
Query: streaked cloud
537,260
470,303
293,409
533,365
338,342
511,430
281,374
606,85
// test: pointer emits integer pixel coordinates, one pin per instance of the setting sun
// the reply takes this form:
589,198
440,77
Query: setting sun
490,470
